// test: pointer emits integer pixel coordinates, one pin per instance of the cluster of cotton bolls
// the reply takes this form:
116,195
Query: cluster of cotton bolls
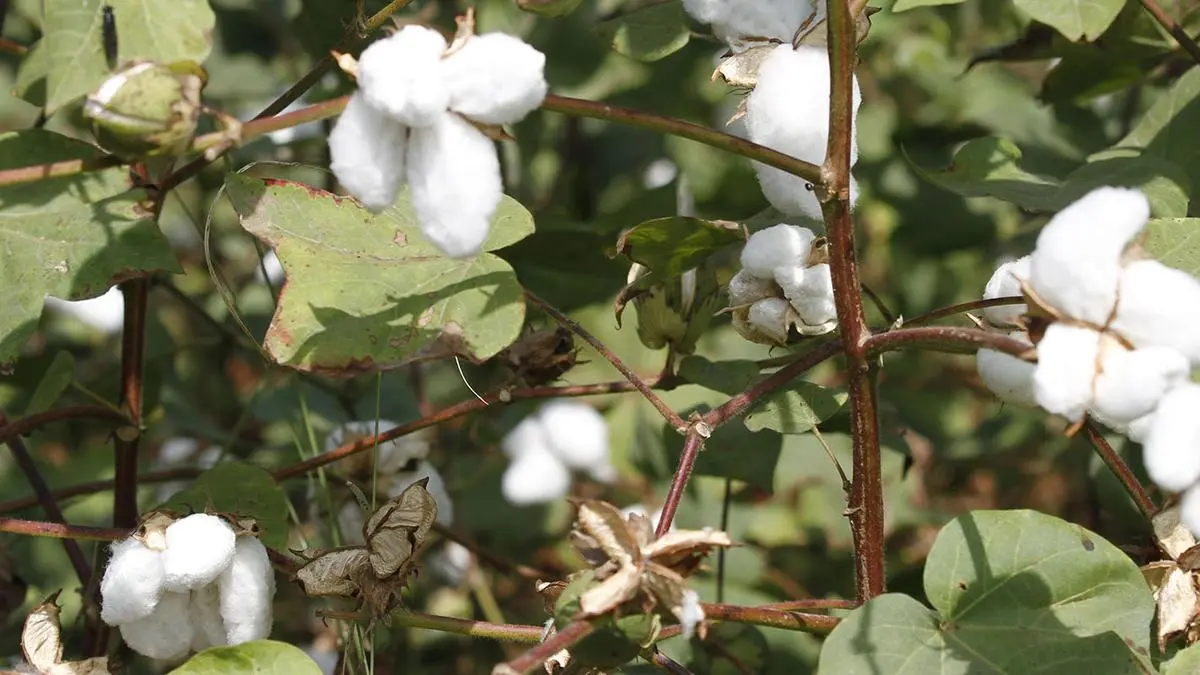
189,586
788,109
400,463
413,120
783,285
544,447
1117,335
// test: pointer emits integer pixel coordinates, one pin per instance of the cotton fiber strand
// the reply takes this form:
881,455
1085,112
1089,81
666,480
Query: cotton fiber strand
132,583
777,246
402,76
1008,377
199,548
366,151
1066,370
495,79
576,433
1160,306
208,629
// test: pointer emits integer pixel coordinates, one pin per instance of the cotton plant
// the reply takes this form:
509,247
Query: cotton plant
416,119
1117,335
784,285
187,584
545,447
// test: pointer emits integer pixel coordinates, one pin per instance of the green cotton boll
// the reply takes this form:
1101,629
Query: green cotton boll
147,109
678,313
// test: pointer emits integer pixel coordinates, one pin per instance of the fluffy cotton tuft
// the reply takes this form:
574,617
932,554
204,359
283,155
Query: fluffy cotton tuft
495,79
1131,383
1066,370
735,20
1077,263
772,317
577,434
813,299
745,288
1009,378
246,590
529,435
1158,307
366,153
402,75
166,633
789,112
455,180
691,614
777,246
1006,282
1171,444
132,583
208,629
105,313
199,548
535,477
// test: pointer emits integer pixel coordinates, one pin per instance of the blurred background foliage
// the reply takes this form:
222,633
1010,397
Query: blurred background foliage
932,78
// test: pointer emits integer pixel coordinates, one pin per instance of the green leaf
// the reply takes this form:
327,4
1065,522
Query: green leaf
1168,129
905,5
796,410
261,657
240,489
31,76
367,292
989,167
671,246
1014,592
650,33
71,237
728,377
1185,662
55,381
1163,182
1174,242
1073,18
156,30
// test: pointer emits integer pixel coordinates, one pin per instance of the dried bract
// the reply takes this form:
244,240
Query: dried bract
41,644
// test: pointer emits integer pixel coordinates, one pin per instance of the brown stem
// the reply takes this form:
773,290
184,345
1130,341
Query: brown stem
1118,466
39,528
661,406
664,662
25,425
1173,27
817,624
960,308
126,440
946,339
813,603
692,445
536,656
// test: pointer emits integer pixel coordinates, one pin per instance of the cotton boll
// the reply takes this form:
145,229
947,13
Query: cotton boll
208,628
777,246
745,288
1066,370
576,433
105,313
535,477
1077,262
1009,378
132,583
495,79
1171,444
736,19
1158,306
1131,383
527,436
403,76
1006,282
166,633
436,488
455,179
813,299
772,317
246,590
199,548
366,153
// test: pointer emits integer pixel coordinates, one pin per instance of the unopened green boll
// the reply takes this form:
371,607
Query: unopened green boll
677,313
147,109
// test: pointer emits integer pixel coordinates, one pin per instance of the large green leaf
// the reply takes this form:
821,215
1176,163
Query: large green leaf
797,409
1186,662
1175,242
649,33
367,292
905,5
671,246
990,167
1074,18
1168,128
155,30
1014,592
71,237
239,489
261,657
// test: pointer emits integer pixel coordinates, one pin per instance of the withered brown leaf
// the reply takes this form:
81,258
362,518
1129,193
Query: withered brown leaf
41,644
541,357
397,528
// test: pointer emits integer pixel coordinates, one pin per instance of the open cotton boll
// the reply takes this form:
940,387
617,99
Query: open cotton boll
166,633
132,583
455,180
366,153
1171,455
527,436
576,433
745,288
777,246
813,299
1009,378
1158,306
199,548
208,628
1131,383
1006,282
535,477
105,313
495,79
1066,370
436,488
1077,262
402,75
736,19
246,590
771,317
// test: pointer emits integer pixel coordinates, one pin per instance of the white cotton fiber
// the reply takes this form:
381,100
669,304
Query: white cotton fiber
1077,262
105,313
199,548
402,75
208,628
455,180
1006,282
1009,378
436,488
777,246
366,153
132,583
813,299
734,20
247,589
1132,382
771,317
166,633
1066,370
527,436
691,614
1160,306
1172,446
495,79
576,433
745,288
535,477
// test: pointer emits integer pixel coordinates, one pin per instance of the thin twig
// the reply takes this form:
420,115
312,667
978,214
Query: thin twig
930,317
726,502
946,339
1189,45
536,656
817,624
38,528
506,632
813,603
25,425
133,350
493,559
1121,469
692,445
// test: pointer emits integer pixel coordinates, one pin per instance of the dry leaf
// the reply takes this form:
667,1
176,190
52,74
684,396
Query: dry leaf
397,528
334,572
741,69
1177,605
41,644
1173,538
541,357
152,530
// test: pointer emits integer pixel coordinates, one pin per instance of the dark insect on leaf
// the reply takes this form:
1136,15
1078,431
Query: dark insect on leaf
541,357
109,32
